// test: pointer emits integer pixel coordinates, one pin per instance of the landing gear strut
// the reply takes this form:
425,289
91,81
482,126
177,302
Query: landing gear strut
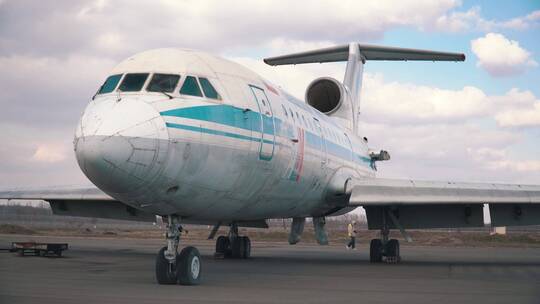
233,245
171,267
384,247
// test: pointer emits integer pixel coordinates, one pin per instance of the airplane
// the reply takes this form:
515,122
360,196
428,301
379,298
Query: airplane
198,139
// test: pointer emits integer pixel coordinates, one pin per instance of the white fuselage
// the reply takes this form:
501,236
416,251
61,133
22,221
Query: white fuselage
253,153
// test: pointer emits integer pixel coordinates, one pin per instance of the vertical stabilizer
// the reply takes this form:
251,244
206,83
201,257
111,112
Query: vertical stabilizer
353,81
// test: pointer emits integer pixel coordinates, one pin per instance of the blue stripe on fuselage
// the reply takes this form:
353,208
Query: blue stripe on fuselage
251,121
214,132
225,115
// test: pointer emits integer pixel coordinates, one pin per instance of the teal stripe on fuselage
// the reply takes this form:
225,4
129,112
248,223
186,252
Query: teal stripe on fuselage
214,132
314,141
225,115
251,121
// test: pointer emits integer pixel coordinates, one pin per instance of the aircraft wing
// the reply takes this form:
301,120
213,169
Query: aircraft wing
79,201
437,204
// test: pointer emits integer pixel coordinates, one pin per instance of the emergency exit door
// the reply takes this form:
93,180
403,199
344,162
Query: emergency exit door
266,150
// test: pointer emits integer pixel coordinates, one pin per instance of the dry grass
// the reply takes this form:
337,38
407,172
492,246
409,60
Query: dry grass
420,237
15,229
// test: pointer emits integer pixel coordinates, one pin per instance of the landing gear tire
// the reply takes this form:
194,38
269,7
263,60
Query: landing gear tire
392,251
165,272
237,248
247,247
189,266
375,251
222,243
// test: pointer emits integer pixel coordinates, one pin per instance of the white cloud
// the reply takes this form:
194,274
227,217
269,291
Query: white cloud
499,159
500,56
515,165
38,85
50,153
38,155
528,117
519,23
534,16
394,102
111,42
90,27
514,98
442,151
456,21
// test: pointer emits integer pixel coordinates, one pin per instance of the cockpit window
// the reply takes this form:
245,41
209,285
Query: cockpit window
133,82
191,87
110,84
208,89
163,83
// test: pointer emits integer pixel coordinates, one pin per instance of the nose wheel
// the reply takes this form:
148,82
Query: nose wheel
172,268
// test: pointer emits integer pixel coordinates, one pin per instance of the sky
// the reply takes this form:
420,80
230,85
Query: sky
478,120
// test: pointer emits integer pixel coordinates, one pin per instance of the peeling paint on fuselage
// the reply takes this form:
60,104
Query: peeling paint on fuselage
203,158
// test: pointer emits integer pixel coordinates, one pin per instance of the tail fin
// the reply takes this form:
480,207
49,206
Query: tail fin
356,55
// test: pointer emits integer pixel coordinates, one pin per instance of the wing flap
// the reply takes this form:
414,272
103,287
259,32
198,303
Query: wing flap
380,192
80,201
428,216
100,209
56,193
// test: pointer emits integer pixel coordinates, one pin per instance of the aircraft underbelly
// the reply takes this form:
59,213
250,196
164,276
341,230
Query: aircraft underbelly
222,182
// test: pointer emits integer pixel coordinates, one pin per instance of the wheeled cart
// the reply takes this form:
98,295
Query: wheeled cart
38,249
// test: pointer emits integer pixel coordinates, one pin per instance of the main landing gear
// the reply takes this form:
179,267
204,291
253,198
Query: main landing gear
171,267
233,245
384,247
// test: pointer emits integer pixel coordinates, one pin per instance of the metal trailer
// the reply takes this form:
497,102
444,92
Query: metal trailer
38,249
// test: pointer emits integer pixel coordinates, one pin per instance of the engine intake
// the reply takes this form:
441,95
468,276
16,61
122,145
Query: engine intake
325,94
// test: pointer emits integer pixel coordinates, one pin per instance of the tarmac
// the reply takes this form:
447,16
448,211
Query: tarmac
115,270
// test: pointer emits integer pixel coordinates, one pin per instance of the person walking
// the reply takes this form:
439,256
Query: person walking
351,228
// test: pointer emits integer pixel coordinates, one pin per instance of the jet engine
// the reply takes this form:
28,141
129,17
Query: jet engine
325,94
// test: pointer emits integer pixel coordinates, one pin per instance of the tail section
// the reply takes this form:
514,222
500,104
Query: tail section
343,101
353,81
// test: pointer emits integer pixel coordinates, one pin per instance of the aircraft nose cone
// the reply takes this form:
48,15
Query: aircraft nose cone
121,146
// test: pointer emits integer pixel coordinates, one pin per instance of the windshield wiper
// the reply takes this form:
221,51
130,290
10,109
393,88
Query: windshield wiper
167,94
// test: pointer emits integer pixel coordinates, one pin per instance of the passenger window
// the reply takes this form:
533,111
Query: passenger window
110,84
208,89
284,111
133,82
191,87
292,115
163,83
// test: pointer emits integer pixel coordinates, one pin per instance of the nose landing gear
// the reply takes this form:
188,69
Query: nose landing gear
171,267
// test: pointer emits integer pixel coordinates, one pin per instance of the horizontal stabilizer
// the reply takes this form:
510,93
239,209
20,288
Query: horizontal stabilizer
368,52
